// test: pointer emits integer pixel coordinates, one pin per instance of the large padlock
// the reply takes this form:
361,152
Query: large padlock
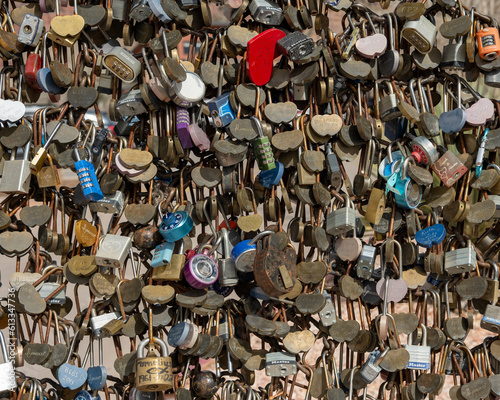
460,260
153,374
113,250
274,270
341,220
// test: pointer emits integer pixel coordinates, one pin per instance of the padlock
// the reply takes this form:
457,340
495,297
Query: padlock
176,225
140,10
109,204
262,148
243,253
366,262
122,63
449,168
341,220
388,105
221,111
86,175
173,270
30,30
201,270
488,43
371,369
97,322
492,292
454,55
36,163
266,12
295,45
48,287
113,250
460,260
420,33
16,175
8,381
491,318
131,104
162,254
407,193
420,355
228,275
332,163
153,374
280,364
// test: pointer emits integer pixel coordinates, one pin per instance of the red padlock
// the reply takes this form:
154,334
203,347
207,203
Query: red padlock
261,52
33,64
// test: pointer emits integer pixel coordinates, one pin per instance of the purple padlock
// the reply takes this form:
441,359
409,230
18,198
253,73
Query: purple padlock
201,271
182,122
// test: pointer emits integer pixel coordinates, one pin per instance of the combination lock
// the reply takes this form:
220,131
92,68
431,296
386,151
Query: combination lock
123,64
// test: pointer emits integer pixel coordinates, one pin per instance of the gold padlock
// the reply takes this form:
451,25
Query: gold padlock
153,374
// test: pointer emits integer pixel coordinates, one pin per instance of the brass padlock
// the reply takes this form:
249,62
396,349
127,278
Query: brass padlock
153,374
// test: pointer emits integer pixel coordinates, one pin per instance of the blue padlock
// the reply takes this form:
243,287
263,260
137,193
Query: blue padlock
46,81
271,177
44,76
221,111
176,225
243,253
408,193
86,175
390,164
162,254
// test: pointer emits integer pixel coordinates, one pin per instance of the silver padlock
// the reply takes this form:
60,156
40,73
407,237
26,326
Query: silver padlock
122,63
491,319
31,30
388,105
341,220
266,12
420,355
16,175
113,250
228,276
366,262
371,368
328,314
461,260
280,364
98,321
131,104
421,34
109,204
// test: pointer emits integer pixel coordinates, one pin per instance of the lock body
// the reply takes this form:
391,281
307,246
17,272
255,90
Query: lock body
459,261
488,43
31,30
109,204
121,63
266,12
491,319
366,262
421,34
153,373
280,364
113,251
221,111
341,221
86,175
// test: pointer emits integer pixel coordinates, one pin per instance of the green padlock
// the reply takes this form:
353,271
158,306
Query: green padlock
262,149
